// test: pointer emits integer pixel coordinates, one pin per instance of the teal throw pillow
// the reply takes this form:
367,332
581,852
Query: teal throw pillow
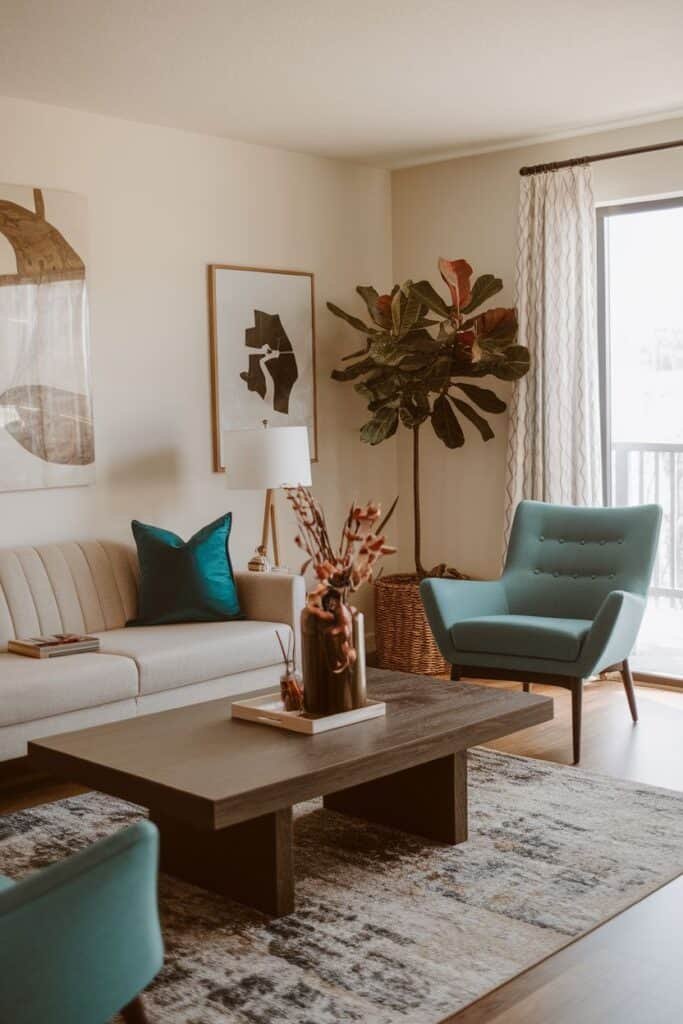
185,581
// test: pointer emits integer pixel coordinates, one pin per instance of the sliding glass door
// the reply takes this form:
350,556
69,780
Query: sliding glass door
640,267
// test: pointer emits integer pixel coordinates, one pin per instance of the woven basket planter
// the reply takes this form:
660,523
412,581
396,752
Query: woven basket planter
403,638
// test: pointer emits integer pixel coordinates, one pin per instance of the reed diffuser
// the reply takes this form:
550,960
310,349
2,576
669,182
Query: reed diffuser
291,690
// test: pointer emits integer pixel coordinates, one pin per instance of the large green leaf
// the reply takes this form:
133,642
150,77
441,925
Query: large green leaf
483,397
420,341
415,362
515,365
440,372
484,287
410,312
350,319
414,410
372,300
473,416
386,351
396,304
429,297
378,388
380,427
353,371
445,423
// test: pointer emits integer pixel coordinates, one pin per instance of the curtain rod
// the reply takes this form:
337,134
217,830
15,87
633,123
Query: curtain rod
577,160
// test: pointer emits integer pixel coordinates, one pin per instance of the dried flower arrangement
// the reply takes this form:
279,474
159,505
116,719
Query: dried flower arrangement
360,548
328,620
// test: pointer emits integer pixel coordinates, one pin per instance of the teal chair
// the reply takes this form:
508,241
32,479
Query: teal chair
568,605
81,939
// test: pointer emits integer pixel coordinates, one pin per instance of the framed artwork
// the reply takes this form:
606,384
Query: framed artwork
262,351
46,423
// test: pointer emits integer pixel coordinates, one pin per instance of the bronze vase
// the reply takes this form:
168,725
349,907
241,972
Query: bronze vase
333,661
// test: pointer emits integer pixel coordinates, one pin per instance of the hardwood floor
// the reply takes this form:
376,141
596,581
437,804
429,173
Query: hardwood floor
627,971
650,751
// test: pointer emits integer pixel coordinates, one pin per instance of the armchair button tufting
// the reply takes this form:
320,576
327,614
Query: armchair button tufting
541,538
582,541
594,577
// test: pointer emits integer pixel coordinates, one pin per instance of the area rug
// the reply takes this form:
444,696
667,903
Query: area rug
389,927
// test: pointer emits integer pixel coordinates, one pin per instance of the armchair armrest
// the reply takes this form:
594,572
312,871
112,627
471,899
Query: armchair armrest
614,631
273,597
81,939
449,601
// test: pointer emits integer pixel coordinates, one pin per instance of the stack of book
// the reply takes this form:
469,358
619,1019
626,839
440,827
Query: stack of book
54,646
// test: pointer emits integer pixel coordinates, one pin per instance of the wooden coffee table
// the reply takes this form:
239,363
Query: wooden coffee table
221,791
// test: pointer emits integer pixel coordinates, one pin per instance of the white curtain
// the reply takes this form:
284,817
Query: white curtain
554,451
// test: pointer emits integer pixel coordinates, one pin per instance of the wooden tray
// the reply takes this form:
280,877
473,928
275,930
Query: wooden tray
268,710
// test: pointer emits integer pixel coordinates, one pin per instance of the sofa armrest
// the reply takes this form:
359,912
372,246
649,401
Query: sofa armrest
273,597
449,601
614,631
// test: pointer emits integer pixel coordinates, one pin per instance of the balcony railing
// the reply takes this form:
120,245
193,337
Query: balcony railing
644,472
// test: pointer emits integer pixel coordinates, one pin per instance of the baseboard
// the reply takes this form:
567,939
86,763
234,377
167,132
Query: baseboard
655,679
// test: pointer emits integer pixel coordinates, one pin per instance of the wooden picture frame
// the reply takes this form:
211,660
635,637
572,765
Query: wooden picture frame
236,323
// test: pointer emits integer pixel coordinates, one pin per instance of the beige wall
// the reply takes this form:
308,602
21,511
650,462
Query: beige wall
467,208
163,204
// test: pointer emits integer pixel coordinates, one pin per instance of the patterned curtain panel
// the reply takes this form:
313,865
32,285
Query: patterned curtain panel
554,435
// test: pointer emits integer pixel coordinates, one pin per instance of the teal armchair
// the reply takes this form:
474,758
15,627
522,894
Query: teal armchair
568,605
81,939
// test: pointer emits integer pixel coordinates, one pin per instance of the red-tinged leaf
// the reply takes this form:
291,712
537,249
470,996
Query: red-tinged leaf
458,275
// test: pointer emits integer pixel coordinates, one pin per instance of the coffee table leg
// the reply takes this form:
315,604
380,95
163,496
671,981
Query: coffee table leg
251,862
429,800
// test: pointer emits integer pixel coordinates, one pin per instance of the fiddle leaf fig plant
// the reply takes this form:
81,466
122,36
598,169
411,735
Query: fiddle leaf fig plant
420,353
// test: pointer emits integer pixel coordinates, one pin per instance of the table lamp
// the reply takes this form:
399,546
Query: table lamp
265,459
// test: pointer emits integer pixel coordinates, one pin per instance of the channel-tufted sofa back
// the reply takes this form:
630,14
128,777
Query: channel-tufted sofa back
77,587
563,561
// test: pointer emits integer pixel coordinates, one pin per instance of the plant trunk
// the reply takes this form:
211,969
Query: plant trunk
419,568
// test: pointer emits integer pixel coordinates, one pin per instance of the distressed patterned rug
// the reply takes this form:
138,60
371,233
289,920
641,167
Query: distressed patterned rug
389,927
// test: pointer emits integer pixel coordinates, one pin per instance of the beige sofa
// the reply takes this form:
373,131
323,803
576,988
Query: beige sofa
92,587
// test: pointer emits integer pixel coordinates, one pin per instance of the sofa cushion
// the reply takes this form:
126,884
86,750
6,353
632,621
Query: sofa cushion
184,653
34,688
185,581
526,636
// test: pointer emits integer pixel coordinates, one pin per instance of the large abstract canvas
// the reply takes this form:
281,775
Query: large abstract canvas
263,350
46,428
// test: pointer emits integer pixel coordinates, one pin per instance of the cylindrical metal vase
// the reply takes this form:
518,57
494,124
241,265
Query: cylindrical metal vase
329,689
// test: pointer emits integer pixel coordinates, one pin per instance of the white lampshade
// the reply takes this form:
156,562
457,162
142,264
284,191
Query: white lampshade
269,457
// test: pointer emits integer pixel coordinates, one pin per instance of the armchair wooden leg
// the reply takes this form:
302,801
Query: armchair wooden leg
628,686
526,687
134,1013
577,701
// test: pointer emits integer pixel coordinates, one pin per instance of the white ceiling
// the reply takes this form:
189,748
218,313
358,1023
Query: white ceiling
387,82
